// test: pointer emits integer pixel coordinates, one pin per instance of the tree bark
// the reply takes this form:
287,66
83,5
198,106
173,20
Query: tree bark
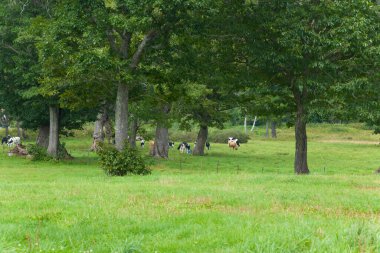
121,117
23,133
199,149
108,129
53,131
98,135
273,129
6,130
132,138
43,136
161,146
18,129
300,162
245,124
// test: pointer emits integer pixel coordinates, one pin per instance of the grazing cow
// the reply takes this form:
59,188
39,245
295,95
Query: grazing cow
233,143
171,144
14,141
5,139
142,143
184,146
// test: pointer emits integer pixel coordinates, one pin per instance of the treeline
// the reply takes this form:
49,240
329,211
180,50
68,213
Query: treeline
66,62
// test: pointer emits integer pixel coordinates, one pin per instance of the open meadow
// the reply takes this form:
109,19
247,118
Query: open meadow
247,200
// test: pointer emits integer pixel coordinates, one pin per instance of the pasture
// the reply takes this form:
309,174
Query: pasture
247,200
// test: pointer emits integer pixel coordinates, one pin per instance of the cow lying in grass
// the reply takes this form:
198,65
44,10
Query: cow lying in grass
233,143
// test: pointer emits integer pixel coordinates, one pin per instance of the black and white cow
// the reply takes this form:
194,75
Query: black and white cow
142,143
14,141
171,144
184,146
5,139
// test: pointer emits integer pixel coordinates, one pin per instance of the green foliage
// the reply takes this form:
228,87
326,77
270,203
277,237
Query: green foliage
221,136
38,153
182,136
128,161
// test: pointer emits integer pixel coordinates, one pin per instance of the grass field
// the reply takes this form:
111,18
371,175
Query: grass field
227,201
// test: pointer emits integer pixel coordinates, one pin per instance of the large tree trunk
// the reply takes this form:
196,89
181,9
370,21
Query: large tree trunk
199,148
43,136
53,131
132,138
273,128
121,117
300,162
161,143
6,130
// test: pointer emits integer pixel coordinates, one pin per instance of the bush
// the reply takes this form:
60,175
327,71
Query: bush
38,153
128,161
180,136
221,136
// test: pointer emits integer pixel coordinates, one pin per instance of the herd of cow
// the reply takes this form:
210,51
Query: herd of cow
185,147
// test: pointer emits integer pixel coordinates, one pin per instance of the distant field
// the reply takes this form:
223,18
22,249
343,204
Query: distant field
227,201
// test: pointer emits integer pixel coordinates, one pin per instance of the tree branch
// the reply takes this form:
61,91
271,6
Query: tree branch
126,39
138,54
11,48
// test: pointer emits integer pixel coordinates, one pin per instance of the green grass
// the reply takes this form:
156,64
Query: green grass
228,201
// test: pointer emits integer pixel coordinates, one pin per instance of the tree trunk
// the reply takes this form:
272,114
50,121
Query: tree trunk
132,138
199,149
161,143
300,162
108,129
98,135
6,130
43,136
53,131
23,133
18,129
245,124
121,117
273,128
267,129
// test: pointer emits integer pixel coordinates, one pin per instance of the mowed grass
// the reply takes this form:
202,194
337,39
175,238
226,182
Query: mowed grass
227,201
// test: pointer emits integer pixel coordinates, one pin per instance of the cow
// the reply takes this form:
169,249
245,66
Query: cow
184,146
233,143
5,139
171,144
14,141
142,143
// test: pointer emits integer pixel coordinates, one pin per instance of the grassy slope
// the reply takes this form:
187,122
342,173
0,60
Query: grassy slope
252,203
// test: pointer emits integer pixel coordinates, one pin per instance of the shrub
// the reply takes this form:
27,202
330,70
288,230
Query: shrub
180,136
38,153
128,161
221,136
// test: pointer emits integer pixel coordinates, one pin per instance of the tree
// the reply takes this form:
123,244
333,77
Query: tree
311,50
